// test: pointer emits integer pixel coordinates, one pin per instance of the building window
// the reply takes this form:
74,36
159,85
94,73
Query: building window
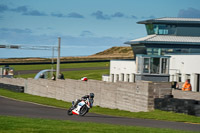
155,65
150,29
139,64
146,65
159,29
154,51
164,65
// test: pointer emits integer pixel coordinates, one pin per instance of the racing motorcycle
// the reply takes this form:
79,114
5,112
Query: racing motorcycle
81,108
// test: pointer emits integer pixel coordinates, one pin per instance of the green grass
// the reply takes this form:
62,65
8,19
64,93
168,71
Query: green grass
25,76
35,99
67,65
156,114
90,74
27,125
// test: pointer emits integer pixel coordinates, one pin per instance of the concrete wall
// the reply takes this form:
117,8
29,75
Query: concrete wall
186,94
133,97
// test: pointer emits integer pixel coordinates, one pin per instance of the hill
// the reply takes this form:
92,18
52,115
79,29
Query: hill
116,52
111,53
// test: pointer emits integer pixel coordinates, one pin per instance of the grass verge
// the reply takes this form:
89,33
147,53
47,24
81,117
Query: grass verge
156,114
27,125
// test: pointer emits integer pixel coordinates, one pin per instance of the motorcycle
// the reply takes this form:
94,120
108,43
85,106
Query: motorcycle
81,108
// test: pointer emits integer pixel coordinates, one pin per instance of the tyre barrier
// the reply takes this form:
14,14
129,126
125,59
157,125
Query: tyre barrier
186,106
14,88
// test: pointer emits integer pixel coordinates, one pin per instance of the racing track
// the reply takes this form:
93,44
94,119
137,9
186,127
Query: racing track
18,108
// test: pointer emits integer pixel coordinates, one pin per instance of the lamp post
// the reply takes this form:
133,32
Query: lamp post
58,59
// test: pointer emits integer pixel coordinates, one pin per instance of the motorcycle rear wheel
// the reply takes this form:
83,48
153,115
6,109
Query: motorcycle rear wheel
83,110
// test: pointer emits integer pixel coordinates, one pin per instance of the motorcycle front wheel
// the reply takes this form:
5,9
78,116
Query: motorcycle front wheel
84,109
69,112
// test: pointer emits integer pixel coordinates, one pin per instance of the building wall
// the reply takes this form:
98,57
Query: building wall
187,64
132,97
122,70
184,67
181,67
188,31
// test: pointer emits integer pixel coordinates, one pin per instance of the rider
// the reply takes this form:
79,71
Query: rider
90,97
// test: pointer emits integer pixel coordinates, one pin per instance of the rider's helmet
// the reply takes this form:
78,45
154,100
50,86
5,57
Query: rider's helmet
91,95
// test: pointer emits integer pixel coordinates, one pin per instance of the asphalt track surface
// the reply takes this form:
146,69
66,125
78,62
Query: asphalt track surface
10,107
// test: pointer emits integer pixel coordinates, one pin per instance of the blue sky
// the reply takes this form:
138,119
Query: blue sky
85,26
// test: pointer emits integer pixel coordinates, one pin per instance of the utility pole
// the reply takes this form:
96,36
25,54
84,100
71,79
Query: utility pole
58,59
52,62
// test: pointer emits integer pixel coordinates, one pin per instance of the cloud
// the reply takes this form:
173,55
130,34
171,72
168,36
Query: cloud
148,17
100,15
15,30
134,17
20,9
189,13
86,38
75,15
3,8
35,13
59,15
70,15
86,33
70,45
118,14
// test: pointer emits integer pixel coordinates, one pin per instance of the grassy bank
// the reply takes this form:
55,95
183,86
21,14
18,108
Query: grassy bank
28,125
157,114
67,65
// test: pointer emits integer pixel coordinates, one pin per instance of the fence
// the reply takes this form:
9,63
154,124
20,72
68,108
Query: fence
132,97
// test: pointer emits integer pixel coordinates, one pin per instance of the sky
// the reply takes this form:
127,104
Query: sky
85,26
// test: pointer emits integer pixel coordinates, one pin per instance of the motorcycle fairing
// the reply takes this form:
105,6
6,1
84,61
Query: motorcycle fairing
77,109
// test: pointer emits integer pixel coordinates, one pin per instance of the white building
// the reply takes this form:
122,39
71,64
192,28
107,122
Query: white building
170,52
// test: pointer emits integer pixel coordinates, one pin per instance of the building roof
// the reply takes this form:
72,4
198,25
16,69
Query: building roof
171,21
165,39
